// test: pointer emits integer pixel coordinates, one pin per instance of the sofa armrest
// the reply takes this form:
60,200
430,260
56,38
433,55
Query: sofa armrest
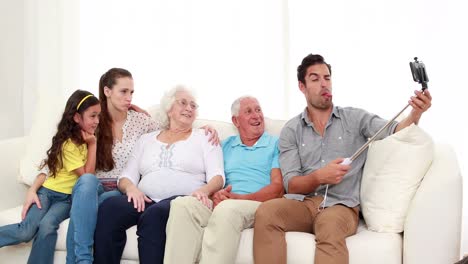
13,192
433,224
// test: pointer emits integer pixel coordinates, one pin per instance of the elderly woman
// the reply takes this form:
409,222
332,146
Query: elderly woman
177,160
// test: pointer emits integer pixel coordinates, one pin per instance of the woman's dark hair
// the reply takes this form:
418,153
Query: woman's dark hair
308,61
104,160
67,128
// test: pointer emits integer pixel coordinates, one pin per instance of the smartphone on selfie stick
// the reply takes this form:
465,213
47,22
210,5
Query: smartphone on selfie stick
418,70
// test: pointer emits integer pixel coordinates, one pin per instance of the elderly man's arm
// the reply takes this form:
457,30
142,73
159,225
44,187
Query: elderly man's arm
420,103
273,190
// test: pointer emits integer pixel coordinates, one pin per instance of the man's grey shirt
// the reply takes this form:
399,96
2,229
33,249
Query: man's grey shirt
303,150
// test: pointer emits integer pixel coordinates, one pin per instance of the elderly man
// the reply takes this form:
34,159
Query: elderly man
252,176
312,147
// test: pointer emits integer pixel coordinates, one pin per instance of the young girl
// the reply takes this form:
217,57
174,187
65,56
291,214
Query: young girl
48,201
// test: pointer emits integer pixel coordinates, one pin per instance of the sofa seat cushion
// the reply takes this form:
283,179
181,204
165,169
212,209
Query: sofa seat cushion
13,215
364,247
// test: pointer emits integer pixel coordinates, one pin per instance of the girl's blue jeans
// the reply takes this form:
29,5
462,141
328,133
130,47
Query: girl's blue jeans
40,224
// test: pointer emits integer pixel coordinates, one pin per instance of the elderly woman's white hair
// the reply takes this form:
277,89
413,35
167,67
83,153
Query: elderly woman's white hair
236,104
166,103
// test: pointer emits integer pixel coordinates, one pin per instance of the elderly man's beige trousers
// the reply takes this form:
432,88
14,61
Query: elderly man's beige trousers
331,226
194,232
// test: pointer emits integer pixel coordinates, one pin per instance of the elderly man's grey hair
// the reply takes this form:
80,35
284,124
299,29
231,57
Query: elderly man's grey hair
236,104
166,103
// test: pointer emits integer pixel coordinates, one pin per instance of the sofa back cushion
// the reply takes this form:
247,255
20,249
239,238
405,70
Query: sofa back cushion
43,128
394,169
48,115
226,129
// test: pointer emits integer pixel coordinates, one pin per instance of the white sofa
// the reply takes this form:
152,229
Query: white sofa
431,233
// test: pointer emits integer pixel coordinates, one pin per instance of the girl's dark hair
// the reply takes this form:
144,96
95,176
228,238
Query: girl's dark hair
308,61
67,128
105,161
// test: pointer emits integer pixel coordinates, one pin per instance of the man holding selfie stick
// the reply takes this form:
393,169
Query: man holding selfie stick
313,146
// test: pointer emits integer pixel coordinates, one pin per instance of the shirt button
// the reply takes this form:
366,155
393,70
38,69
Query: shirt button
323,161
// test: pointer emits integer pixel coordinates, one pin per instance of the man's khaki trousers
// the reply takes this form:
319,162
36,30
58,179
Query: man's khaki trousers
331,226
194,232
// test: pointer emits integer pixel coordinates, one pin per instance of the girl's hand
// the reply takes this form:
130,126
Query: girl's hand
88,137
203,197
214,138
138,197
31,198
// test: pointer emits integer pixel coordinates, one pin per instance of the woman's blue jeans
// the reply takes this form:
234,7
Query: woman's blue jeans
40,224
87,194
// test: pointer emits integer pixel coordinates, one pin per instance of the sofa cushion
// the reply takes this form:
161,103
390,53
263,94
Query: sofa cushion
48,115
13,215
394,169
226,129
364,247
44,126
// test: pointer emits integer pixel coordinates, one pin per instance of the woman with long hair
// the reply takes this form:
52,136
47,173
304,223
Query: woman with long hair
119,129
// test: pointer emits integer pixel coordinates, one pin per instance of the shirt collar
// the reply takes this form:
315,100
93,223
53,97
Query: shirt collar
261,142
306,119
335,112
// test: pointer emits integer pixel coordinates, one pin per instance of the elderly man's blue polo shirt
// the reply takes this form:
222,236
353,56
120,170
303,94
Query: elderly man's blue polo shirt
246,168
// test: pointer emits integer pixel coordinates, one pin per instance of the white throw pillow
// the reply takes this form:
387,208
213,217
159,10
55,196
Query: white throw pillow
49,110
394,169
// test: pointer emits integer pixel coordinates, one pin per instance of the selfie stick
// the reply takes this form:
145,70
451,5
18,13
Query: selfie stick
348,161
418,71
419,75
